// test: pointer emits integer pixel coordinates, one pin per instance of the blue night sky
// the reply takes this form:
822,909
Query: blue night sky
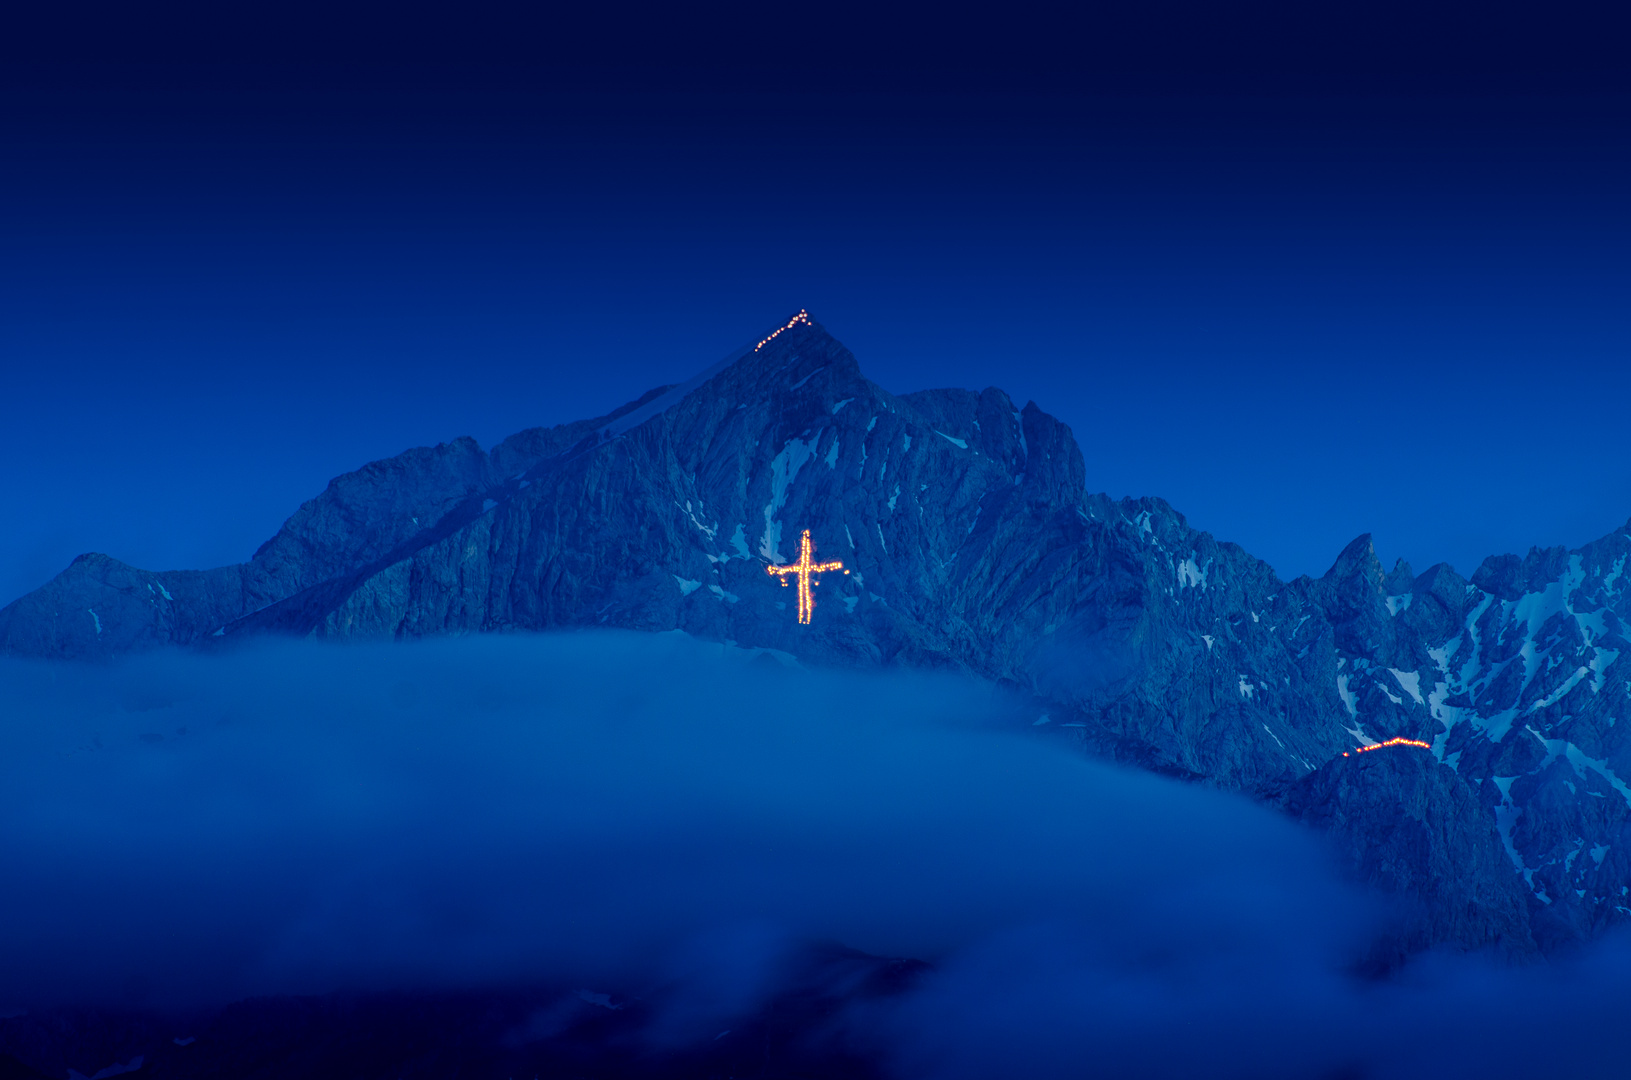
1300,293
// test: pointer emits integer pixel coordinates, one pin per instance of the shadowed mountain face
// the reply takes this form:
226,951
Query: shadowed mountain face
972,544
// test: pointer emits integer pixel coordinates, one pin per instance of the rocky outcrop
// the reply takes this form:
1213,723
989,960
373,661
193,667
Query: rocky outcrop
972,544
100,608
1408,825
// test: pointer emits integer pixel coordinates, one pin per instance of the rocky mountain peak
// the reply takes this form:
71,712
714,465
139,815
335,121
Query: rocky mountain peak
1355,591
971,543
1357,563
1400,579
801,361
1509,577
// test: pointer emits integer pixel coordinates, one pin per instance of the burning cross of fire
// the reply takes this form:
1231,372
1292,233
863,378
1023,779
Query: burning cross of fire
804,568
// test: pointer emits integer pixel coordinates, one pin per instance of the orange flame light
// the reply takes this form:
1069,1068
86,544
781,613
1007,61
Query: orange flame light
1396,741
801,317
805,567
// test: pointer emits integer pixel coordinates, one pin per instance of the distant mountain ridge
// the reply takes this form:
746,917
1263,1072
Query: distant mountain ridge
974,545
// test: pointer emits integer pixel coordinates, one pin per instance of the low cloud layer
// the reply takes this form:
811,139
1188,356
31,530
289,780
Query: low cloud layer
624,811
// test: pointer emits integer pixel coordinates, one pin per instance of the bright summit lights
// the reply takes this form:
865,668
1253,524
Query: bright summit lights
801,317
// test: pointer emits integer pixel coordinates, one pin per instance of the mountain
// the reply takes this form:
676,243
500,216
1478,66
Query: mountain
973,544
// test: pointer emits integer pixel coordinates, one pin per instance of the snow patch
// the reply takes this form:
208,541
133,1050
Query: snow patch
97,620
704,529
1411,682
841,404
783,468
1191,576
1613,575
724,594
1396,604
687,586
959,443
1600,660
1349,698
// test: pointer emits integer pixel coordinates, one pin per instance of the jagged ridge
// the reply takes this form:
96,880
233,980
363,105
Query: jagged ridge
974,545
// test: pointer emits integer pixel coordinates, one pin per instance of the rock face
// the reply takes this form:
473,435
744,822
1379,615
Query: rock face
973,544
1410,826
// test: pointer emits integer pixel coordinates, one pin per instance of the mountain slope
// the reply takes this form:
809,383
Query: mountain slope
972,544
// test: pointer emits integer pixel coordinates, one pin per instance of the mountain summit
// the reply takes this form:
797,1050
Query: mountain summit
974,545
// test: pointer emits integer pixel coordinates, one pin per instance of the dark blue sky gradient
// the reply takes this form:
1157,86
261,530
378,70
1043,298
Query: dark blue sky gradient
1298,307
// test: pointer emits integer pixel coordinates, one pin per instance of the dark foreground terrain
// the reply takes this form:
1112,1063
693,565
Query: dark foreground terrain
799,1032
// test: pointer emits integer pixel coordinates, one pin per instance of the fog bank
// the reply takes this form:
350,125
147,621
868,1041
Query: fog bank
626,812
